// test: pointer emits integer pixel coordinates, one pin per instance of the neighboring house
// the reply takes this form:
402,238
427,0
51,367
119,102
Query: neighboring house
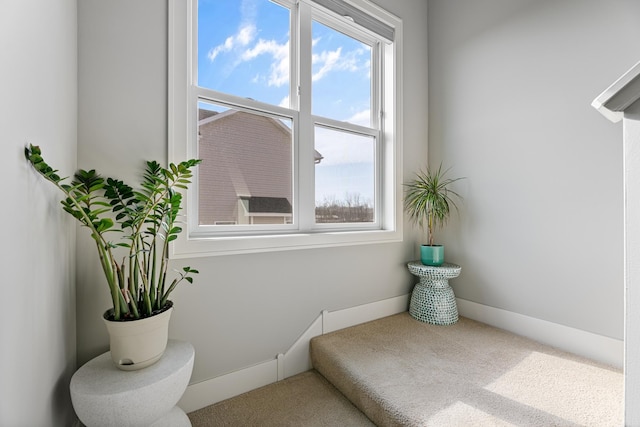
246,170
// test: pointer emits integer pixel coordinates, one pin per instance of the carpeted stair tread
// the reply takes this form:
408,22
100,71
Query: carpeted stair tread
306,399
402,372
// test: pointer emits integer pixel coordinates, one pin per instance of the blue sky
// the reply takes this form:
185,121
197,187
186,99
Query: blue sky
247,54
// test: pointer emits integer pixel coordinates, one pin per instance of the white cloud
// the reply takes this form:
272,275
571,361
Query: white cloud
245,51
245,35
362,118
243,48
279,69
334,60
329,61
343,147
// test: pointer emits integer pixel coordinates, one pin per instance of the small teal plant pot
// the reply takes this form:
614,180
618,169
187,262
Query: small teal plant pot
432,255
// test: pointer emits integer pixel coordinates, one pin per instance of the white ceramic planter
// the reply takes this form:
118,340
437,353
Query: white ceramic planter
136,344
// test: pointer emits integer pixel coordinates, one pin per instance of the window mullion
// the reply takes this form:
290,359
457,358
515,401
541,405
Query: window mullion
376,95
377,122
305,144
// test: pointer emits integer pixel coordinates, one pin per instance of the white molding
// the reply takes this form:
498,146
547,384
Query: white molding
217,389
190,245
587,344
294,361
620,95
334,320
297,360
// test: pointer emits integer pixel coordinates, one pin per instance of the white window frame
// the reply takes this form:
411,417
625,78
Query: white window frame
182,112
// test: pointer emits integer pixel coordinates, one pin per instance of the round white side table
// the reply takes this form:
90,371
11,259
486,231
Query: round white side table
432,299
103,395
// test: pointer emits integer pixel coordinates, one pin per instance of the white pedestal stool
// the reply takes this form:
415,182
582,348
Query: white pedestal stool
103,395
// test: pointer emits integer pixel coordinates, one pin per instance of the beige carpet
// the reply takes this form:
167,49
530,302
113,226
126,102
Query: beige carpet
305,400
402,372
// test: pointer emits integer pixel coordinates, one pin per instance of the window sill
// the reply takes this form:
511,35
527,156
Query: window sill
190,247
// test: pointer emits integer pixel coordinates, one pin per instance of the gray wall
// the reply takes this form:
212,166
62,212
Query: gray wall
243,309
37,320
510,86
511,82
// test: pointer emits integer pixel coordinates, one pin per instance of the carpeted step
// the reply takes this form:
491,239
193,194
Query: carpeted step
402,372
306,399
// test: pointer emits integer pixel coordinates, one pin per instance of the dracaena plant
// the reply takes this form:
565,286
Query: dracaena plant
144,221
429,198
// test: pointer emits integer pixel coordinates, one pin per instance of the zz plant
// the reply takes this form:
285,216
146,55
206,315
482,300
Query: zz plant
146,221
429,199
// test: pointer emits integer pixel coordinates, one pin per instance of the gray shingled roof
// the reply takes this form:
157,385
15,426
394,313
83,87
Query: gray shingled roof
203,114
268,204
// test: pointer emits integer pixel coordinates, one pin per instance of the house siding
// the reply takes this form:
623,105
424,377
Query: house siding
243,155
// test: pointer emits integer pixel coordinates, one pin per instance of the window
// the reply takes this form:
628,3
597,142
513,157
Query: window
292,107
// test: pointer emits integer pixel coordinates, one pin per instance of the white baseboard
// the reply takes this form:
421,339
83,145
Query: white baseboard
593,346
217,389
292,362
296,359
334,320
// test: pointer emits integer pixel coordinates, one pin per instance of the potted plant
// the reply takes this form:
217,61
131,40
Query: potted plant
428,202
135,265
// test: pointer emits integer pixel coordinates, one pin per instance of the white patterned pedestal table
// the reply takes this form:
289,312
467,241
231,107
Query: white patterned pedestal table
103,395
432,299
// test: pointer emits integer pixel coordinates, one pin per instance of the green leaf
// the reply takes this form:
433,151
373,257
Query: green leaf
104,224
428,199
146,213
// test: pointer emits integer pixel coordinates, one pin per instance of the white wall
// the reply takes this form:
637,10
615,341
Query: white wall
510,87
245,309
511,83
37,320
632,247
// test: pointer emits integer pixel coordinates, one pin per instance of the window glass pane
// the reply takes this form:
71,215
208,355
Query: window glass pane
246,172
243,49
341,80
345,184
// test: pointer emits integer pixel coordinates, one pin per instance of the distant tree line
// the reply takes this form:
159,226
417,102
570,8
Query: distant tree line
351,209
